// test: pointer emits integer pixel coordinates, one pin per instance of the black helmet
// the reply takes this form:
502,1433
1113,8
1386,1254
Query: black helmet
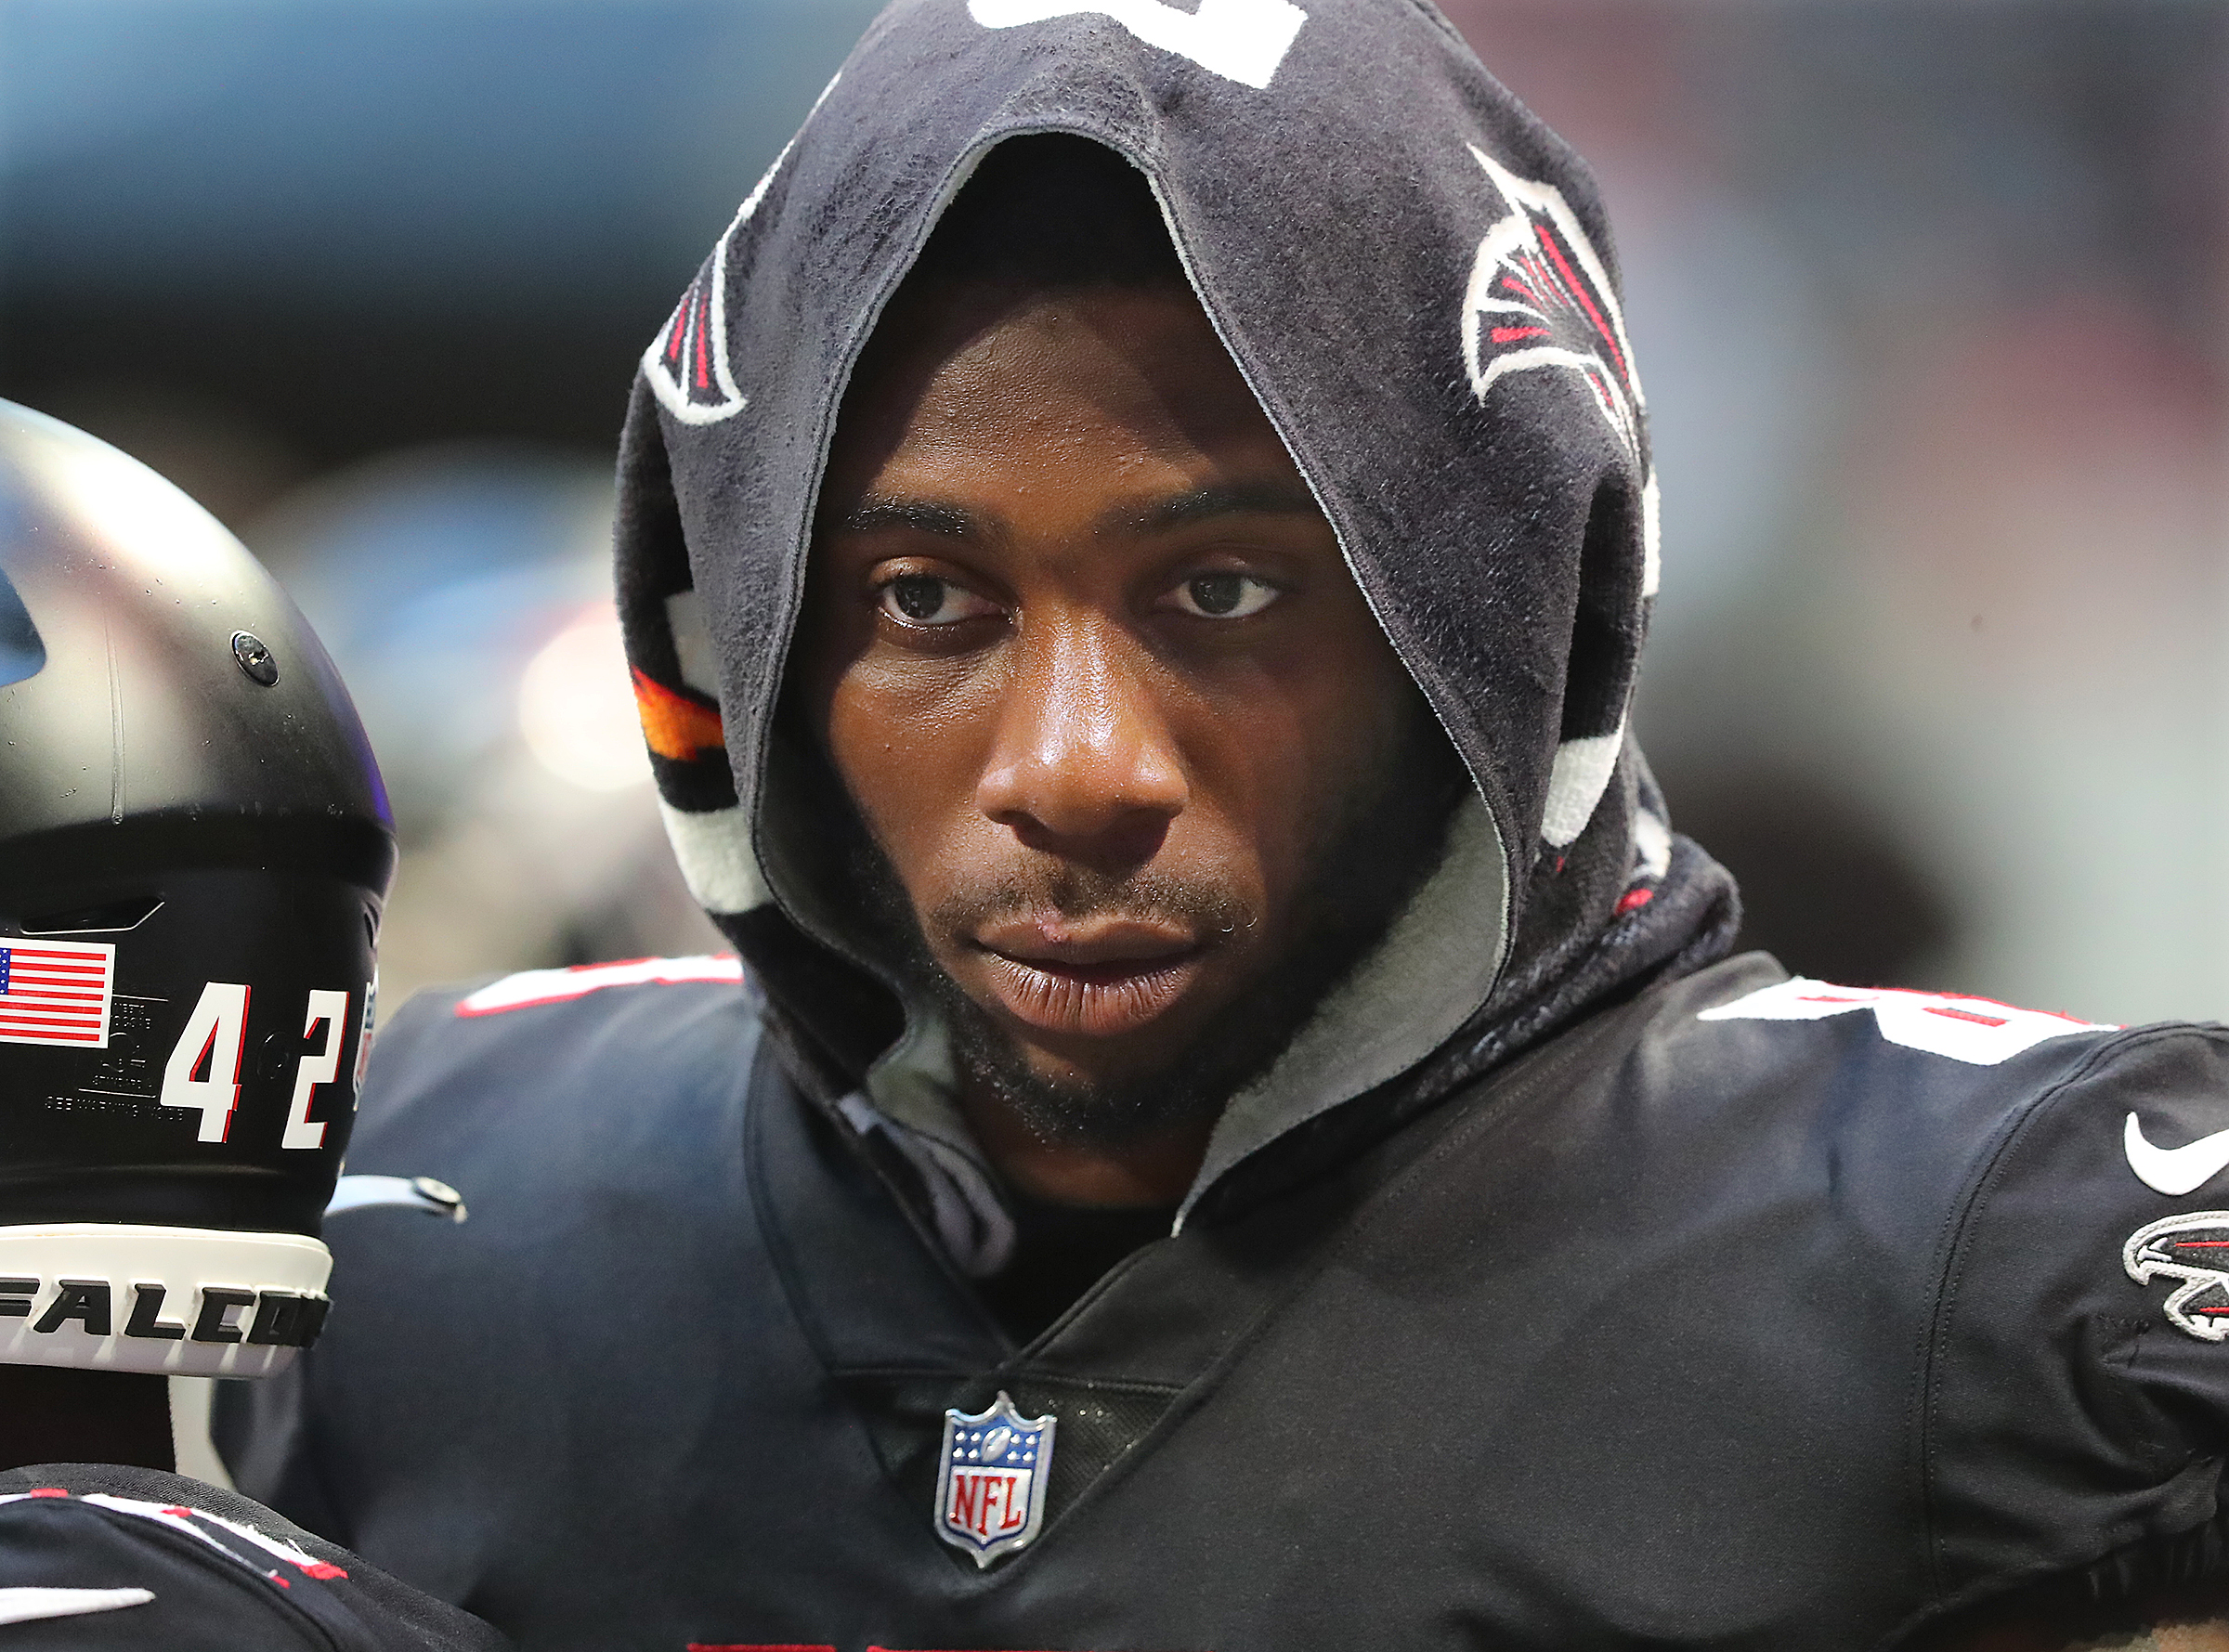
194,845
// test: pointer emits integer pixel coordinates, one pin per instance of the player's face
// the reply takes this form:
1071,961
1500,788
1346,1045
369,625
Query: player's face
1086,656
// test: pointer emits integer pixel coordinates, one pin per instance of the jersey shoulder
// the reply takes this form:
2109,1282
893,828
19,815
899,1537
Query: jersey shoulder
473,1077
1960,1027
1939,1065
550,1022
1918,1106
2156,1085
590,1127
2066,1184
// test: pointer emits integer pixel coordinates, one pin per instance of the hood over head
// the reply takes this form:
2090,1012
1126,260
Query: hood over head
1415,278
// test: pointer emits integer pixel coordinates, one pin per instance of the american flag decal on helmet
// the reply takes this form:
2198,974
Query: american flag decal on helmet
56,991
1539,297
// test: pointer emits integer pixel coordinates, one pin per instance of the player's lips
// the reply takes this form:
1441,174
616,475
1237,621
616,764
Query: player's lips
1098,978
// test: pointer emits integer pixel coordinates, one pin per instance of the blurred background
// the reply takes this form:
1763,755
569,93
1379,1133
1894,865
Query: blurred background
1929,301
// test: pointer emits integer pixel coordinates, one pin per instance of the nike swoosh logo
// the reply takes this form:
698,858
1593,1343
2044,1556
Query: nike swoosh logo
2175,1170
28,1605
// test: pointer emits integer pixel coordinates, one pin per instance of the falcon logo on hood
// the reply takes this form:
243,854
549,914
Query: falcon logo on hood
1539,297
2193,1248
687,365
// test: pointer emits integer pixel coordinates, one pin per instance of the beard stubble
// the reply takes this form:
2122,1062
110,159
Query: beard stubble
1373,849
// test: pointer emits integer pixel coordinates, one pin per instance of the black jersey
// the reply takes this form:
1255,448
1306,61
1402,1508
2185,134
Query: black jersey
1751,1313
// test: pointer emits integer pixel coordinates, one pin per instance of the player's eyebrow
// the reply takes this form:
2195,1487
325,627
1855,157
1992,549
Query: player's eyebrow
879,510
1274,498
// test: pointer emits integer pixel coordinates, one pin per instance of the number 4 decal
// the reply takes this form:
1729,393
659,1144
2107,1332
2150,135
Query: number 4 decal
213,1038
321,1067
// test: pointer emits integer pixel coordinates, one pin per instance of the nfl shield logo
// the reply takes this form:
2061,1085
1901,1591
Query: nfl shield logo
990,1493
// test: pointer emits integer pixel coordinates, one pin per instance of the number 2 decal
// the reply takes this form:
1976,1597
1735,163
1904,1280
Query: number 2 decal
204,1069
323,1067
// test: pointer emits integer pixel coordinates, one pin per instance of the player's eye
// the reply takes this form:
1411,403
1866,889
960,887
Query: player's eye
1223,595
925,600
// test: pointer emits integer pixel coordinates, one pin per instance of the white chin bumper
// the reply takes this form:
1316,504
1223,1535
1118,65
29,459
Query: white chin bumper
180,1301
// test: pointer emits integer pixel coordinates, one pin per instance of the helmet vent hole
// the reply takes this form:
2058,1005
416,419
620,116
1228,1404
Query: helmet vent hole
110,918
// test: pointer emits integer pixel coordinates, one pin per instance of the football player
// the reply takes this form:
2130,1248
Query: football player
1231,1126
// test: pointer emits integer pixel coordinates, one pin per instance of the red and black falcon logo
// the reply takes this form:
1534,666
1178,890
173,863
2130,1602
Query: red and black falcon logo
2193,1248
687,367
1540,298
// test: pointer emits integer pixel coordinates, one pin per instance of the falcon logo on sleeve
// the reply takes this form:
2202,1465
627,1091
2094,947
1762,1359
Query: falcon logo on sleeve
2193,1248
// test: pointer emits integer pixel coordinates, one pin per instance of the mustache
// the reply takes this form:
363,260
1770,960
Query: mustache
1078,894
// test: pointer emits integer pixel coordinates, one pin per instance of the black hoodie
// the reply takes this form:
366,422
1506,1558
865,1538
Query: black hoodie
1556,1288
1416,281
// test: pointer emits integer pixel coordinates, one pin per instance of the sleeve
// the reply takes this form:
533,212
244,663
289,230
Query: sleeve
94,1556
2074,1408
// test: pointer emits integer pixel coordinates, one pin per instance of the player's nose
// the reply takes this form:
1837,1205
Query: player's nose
1083,762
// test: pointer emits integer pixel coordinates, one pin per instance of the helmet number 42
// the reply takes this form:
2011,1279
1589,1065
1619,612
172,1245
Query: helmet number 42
204,1069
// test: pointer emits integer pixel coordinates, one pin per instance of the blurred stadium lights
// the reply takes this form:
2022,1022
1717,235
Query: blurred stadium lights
575,709
387,220
464,592
433,576
369,279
